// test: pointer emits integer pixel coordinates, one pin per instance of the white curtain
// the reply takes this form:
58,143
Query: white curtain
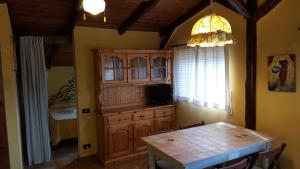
35,99
201,76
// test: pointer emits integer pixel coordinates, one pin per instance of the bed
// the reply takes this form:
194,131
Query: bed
63,119
63,124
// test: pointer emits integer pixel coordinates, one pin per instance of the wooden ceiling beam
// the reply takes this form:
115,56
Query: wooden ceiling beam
240,7
265,8
251,62
52,53
227,5
171,27
57,39
168,31
165,40
143,8
67,31
73,18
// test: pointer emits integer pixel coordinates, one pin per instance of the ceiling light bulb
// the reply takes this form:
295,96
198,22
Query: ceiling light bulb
93,7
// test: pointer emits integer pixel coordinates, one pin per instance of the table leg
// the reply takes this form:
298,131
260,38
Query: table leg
265,162
151,158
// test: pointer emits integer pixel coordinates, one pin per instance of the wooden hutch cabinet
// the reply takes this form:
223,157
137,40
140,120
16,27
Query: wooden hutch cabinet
123,116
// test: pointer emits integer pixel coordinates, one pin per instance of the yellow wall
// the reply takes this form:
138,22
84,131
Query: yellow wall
189,113
10,90
86,39
58,77
278,112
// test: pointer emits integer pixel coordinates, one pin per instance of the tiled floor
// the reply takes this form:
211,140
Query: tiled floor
65,148
91,163
65,157
62,155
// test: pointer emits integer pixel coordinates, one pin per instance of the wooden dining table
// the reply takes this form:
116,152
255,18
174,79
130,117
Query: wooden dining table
205,146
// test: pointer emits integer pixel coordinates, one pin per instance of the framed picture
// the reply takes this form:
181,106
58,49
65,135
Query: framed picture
282,73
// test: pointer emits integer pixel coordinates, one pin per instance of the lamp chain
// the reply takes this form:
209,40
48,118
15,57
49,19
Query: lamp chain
211,9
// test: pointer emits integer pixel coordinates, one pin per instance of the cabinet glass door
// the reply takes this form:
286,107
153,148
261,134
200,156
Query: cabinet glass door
159,67
138,67
114,66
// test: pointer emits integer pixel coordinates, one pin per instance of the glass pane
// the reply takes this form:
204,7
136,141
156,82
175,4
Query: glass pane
134,62
119,74
163,73
164,62
109,62
118,62
156,62
109,74
143,73
143,62
156,73
134,74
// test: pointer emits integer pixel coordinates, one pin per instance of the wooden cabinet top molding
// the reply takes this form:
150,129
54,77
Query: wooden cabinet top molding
101,50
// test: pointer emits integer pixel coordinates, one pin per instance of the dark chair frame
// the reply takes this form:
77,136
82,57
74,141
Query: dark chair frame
272,155
202,123
243,164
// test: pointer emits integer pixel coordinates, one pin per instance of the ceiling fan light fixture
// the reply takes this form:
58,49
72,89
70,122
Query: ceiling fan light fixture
93,7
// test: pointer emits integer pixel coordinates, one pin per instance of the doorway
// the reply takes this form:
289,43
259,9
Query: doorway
61,112
4,156
63,121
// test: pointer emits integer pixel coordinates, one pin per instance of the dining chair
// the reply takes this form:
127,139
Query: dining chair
243,164
162,164
271,157
202,123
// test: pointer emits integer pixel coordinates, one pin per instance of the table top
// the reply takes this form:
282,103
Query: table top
217,142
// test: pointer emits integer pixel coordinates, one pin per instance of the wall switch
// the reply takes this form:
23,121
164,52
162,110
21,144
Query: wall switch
86,110
87,146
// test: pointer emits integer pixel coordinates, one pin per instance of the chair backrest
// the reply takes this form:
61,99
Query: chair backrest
272,156
243,164
202,123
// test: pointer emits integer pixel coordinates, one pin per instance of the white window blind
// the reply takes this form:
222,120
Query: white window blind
201,76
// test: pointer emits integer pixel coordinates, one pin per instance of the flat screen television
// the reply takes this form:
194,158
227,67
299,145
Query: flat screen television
160,94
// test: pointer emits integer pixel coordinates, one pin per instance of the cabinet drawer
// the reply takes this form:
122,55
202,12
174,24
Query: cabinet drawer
142,115
164,124
119,119
164,112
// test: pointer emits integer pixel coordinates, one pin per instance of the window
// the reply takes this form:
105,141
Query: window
201,76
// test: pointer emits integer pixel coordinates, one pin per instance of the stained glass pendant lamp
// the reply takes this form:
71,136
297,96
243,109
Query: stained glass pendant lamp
211,31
